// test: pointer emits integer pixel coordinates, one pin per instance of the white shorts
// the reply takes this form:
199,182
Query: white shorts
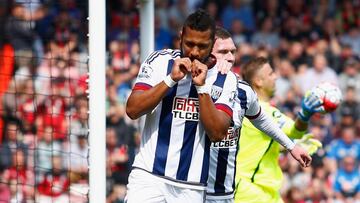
145,187
219,201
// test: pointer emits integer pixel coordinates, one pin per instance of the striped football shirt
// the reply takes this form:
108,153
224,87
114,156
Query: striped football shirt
174,144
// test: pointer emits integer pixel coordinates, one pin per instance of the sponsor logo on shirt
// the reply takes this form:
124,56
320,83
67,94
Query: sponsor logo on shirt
186,108
230,141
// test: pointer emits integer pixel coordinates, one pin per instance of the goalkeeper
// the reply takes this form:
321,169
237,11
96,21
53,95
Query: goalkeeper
258,175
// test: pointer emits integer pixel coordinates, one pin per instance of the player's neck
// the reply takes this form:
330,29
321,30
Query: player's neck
262,95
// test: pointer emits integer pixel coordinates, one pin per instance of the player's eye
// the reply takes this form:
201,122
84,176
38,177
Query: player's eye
190,44
203,46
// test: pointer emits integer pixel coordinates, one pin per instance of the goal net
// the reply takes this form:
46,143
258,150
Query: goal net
44,127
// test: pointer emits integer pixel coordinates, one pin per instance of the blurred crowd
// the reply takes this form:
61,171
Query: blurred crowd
44,105
43,143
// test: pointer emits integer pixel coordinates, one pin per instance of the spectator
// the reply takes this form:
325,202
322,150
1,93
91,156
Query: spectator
347,181
350,106
79,124
163,38
320,72
238,32
20,175
12,142
352,38
237,9
77,163
47,147
347,16
55,184
295,53
269,9
19,27
286,76
213,9
266,36
161,10
338,149
177,15
350,77
117,165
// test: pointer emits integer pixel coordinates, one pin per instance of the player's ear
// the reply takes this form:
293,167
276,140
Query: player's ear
257,81
180,33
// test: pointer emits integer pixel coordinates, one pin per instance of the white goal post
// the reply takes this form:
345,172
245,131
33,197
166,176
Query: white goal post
97,87
97,96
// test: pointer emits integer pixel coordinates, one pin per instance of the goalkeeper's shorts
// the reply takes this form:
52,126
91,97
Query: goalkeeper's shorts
145,187
248,192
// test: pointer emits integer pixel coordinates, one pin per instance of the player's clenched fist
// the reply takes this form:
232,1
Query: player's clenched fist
181,67
198,72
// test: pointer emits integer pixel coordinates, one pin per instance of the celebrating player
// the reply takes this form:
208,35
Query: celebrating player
173,161
223,154
258,175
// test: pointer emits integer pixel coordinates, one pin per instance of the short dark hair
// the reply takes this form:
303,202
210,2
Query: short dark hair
252,67
222,33
200,20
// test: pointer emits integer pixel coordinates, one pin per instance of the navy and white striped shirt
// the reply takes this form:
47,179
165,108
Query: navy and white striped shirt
221,182
174,145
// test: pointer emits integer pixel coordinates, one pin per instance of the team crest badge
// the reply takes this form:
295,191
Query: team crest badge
216,92
145,72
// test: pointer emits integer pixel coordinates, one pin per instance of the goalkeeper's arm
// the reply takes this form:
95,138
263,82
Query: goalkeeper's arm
310,104
265,124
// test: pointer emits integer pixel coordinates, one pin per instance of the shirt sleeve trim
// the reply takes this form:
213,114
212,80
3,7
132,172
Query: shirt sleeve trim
254,116
225,108
142,86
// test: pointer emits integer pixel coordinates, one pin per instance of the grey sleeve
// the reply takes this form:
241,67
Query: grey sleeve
268,126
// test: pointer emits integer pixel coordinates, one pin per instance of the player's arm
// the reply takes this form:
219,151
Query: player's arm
265,124
215,121
141,102
294,129
144,98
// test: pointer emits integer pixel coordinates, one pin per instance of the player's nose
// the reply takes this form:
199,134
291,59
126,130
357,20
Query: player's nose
230,57
195,53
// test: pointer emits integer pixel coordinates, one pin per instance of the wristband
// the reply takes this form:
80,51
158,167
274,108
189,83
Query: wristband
305,117
169,81
203,89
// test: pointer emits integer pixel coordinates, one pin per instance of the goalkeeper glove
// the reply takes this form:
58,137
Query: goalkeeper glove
310,144
311,103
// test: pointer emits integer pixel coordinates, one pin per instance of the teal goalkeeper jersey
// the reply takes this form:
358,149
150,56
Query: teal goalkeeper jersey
257,159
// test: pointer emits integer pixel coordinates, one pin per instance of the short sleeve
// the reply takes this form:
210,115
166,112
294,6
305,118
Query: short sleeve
148,75
226,101
248,100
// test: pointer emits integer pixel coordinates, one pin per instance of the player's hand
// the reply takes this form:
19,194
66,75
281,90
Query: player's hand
181,67
310,104
223,66
310,144
198,73
301,156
